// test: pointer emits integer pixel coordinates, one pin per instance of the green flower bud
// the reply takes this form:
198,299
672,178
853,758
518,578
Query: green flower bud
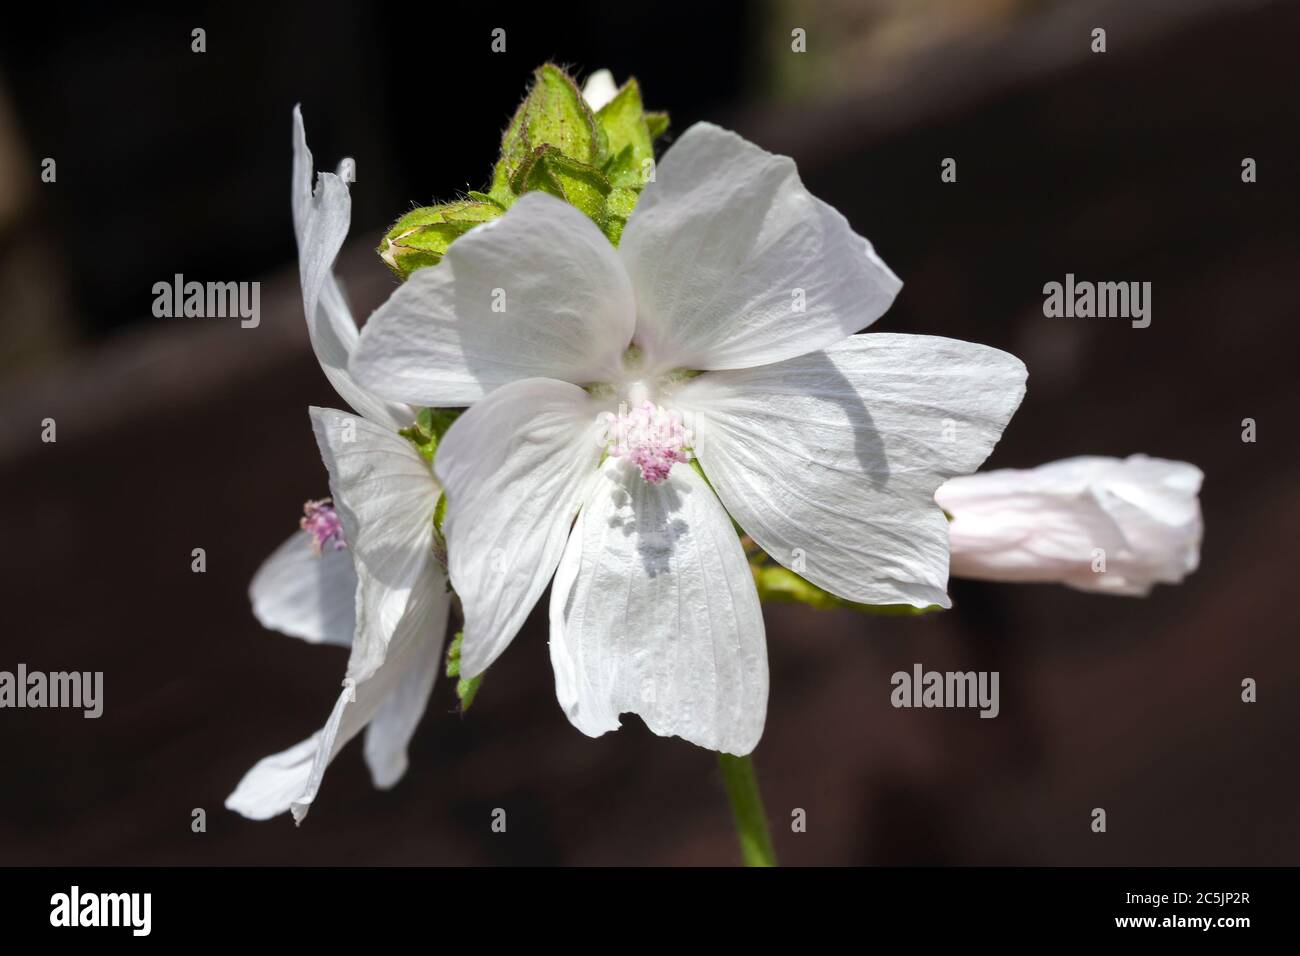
421,237
552,114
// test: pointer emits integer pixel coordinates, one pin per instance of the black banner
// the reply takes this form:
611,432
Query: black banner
339,906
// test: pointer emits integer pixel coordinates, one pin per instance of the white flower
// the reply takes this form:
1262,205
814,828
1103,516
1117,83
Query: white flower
825,447
599,89
383,594
1139,518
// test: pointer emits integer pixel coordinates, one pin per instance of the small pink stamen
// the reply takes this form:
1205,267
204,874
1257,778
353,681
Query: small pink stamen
321,521
652,438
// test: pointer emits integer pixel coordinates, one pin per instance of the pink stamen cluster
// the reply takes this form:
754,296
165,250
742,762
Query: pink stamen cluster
652,438
321,521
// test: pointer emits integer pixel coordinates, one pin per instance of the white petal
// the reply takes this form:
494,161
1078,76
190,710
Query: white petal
385,495
1049,523
599,89
275,782
394,723
722,244
514,467
830,461
306,595
291,779
654,612
539,292
321,219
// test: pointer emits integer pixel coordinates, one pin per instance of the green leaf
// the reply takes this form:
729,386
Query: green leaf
552,114
777,584
466,688
422,236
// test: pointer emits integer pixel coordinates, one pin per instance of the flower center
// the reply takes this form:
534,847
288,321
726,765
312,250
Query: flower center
651,437
321,521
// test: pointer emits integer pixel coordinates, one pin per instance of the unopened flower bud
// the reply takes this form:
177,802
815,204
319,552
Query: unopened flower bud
1097,524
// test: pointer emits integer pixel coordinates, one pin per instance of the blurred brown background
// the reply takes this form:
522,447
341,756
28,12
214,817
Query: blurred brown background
183,433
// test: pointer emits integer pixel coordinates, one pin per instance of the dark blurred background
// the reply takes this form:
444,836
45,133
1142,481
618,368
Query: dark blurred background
183,433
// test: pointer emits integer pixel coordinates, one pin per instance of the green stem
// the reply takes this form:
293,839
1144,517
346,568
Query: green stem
747,809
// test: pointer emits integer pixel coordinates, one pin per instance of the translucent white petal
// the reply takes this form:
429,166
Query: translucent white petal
385,495
514,467
321,219
539,292
735,264
394,723
275,782
291,779
306,595
1097,524
654,612
830,461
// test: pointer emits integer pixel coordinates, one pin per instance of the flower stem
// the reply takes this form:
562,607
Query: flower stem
747,809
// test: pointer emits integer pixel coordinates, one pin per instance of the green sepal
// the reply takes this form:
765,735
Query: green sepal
657,123
618,206
631,147
430,425
440,512
777,584
579,184
466,688
421,237
630,132
484,198
436,421
421,441
439,539
552,114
